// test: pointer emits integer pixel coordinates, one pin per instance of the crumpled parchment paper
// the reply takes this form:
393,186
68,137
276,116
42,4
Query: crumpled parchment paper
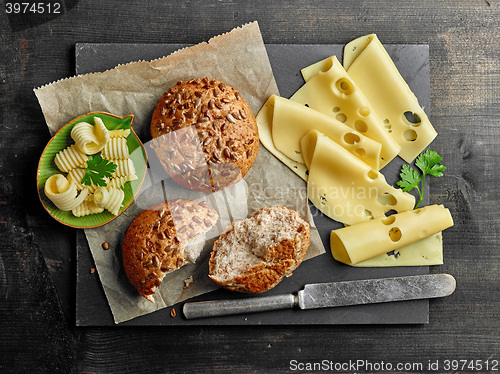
238,58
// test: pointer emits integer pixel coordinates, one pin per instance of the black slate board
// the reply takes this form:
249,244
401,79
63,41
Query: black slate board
92,308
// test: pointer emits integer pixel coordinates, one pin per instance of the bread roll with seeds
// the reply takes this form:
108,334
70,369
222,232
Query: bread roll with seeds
255,254
156,241
204,134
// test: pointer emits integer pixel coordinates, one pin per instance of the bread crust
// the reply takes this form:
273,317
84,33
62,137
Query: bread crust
281,258
204,134
155,240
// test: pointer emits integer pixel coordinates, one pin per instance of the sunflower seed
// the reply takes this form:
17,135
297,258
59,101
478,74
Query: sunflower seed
219,105
216,92
189,114
156,261
225,100
222,87
237,95
236,115
207,141
207,222
186,95
226,152
197,103
249,153
230,118
243,114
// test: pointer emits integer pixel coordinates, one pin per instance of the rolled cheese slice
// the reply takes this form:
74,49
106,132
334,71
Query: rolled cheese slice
264,123
372,69
88,138
354,244
63,193
291,121
332,92
345,188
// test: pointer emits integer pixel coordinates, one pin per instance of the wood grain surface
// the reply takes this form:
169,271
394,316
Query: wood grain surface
38,335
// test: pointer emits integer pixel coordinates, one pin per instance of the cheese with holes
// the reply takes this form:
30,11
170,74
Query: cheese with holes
332,92
343,187
424,252
371,68
291,121
264,122
357,243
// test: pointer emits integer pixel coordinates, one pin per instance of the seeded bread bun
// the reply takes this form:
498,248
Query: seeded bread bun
157,241
204,134
255,254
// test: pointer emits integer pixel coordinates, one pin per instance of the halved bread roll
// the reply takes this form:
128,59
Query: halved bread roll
158,241
255,254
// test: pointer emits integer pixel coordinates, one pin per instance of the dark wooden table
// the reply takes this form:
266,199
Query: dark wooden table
37,330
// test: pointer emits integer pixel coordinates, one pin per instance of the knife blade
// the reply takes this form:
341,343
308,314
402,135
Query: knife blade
335,294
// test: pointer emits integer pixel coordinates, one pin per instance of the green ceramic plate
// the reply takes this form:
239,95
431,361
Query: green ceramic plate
62,139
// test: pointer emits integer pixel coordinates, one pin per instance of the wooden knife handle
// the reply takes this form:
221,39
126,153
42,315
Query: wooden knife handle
238,306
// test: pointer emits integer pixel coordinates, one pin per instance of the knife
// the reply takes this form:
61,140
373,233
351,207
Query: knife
326,295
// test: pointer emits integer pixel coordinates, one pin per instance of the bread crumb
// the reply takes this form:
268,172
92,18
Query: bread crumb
92,270
172,313
188,282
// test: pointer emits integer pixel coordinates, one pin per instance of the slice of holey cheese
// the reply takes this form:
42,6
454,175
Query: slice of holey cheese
331,91
264,122
424,252
291,121
343,187
357,243
371,68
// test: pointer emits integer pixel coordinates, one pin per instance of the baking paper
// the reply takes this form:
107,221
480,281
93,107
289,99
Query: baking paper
238,58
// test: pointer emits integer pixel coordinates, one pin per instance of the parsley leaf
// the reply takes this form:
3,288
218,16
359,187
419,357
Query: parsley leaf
97,169
410,178
429,162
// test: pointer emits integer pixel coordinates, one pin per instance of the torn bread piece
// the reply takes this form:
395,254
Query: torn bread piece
255,254
159,240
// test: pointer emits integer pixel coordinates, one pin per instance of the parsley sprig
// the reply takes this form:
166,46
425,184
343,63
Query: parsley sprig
97,169
429,163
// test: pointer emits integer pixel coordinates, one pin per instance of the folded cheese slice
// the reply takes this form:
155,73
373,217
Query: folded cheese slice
343,187
332,92
372,69
291,121
264,123
357,243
